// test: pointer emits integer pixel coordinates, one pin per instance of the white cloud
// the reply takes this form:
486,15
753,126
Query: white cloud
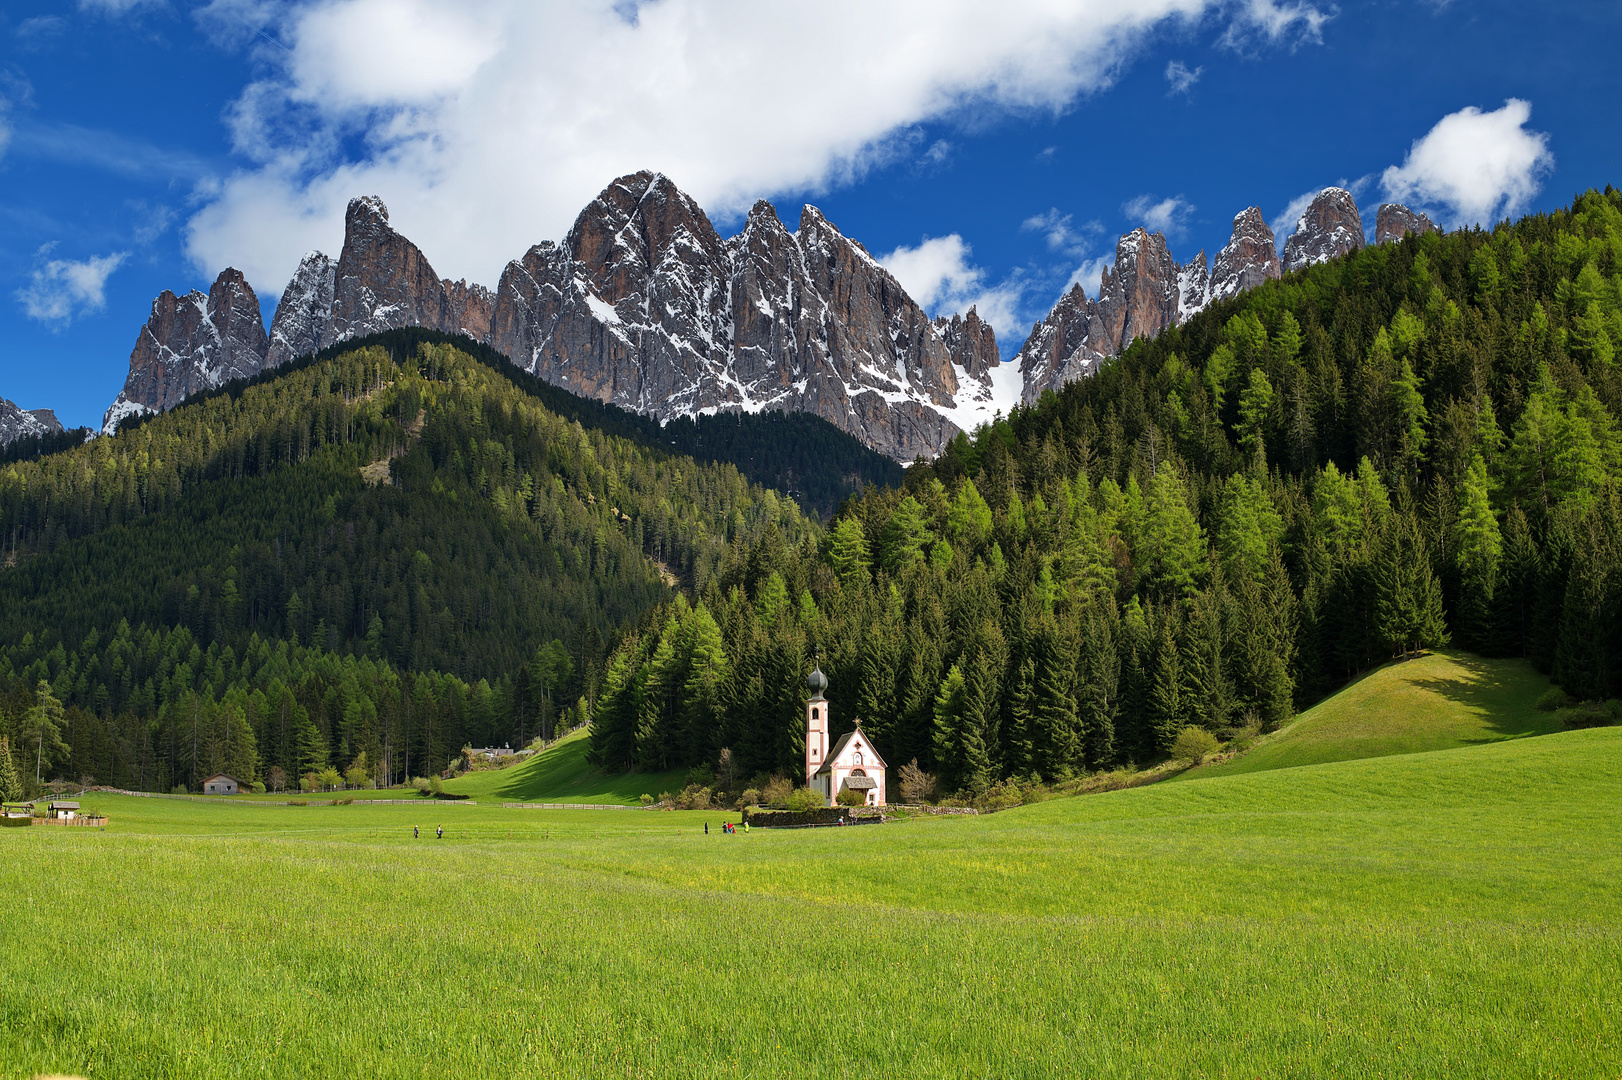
487,125
36,32
117,7
1090,275
1061,235
1274,22
939,276
60,289
1182,79
1285,221
938,154
1168,216
1479,166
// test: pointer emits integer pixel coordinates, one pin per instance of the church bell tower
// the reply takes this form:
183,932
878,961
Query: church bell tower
816,727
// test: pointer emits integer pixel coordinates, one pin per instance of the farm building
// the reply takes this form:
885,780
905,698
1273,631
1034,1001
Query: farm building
223,784
64,811
850,764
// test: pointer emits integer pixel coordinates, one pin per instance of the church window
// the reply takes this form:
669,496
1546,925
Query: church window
858,757
816,714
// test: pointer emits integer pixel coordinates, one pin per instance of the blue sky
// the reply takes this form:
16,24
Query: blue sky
990,156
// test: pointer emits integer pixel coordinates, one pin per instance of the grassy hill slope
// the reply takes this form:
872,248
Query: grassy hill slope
560,773
1444,699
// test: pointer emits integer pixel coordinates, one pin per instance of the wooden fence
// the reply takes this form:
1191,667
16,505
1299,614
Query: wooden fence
311,799
567,806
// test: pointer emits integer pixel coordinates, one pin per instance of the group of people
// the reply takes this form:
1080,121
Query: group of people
726,827
439,833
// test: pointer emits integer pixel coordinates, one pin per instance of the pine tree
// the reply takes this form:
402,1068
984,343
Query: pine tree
1099,687
11,784
45,724
949,731
1478,546
1167,708
1173,545
848,552
1057,728
1408,598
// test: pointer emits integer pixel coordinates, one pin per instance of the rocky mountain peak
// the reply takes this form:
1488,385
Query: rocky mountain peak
383,280
1248,259
1393,221
1329,227
192,343
1140,299
304,315
971,341
20,423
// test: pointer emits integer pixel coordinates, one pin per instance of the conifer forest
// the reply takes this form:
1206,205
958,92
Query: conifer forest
365,560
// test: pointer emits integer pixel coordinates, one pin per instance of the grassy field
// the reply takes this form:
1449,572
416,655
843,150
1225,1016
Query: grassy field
1435,702
1444,914
560,773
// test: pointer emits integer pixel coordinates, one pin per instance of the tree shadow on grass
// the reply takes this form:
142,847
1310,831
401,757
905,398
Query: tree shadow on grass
1503,693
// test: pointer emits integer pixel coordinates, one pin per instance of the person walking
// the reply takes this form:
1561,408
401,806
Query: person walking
439,833
416,832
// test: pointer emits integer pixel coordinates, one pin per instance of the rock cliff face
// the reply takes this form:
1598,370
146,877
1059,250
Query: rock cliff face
1330,227
303,316
383,281
1394,221
1248,259
192,343
645,306
1146,292
20,423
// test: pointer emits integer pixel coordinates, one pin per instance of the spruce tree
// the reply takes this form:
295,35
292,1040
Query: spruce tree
11,784
1167,707
1478,546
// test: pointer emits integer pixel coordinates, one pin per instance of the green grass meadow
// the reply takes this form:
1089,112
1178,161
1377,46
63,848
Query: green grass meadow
1444,914
561,774
1436,701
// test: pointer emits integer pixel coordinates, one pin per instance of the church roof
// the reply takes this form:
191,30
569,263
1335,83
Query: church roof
839,748
861,783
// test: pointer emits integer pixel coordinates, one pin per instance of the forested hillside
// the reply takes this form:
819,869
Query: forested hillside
307,552
1414,442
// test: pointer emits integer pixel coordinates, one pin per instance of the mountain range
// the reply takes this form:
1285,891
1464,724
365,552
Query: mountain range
645,306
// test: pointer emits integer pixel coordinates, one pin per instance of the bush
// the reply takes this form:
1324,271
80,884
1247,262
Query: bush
347,800
1590,714
420,784
1195,744
1553,699
1003,796
694,797
178,789
776,791
917,786
750,797
646,799
435,787
257,788
805,799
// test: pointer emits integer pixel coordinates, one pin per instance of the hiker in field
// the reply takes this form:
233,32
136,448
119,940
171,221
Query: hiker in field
706,828
416,832
439,833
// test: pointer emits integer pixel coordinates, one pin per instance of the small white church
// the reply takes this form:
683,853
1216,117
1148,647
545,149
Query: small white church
850,764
